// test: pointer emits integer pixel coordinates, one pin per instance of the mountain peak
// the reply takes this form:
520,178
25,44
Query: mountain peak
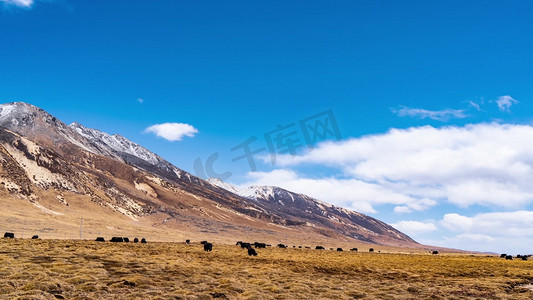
221,184
17,110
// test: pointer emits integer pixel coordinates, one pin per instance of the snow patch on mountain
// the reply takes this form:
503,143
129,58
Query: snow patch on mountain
221,184
117,143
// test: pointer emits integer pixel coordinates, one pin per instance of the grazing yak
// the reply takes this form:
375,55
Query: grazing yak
503,255
187,242
252,252
9,235
126,240
117,239
208,247
435,252
203,242
371,250
35,237
259,245
143,241
509,257
320,248
339,249
100,239
282,246
245,245
353,249
135,240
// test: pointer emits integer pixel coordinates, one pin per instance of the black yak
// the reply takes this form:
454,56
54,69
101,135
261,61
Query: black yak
252,252
208,246
259,245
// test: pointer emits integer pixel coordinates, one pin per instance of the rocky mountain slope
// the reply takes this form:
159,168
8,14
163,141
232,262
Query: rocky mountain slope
299,206
55,174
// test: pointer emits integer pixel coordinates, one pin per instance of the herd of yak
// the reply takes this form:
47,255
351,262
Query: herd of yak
251,250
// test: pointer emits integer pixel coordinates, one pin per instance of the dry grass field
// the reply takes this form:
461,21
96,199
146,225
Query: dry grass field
69,269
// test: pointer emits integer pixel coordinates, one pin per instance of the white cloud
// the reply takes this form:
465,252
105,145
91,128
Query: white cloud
140,100
402,209
418,168
439,115
504,224
415,169
475,105
496,231
172,131
505,103
19,3
414,228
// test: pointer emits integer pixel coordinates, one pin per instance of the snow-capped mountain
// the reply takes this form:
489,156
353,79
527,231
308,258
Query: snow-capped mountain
33,122
300,206
53,165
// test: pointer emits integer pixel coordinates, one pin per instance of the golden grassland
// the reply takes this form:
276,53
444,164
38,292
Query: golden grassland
70,269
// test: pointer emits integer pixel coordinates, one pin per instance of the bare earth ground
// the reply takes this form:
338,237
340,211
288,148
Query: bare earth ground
69,269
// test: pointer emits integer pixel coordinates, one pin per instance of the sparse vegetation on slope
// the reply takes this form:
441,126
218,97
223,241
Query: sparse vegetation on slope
48,269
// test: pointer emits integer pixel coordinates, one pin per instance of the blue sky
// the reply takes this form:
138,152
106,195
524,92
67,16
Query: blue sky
231,70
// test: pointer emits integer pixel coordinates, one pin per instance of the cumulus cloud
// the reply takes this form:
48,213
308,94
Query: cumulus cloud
504,224
414,228
505,103
172,131
494,231
439,115
486,164
402,209
19,3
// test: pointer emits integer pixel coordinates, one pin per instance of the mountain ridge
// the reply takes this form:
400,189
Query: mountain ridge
284,199
43,156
